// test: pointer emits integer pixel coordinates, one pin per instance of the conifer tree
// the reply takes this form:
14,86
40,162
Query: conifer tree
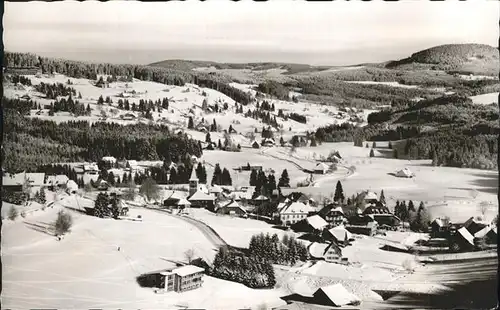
382,198
339,193
217,176
226,177
253,178
190,123
208,139
284,180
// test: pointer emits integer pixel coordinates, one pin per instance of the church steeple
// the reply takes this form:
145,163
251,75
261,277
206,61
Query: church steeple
193,182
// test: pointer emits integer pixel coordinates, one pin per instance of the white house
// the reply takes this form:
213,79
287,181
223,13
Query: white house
109,159
57,180
294,212
321,168
91,168
132,165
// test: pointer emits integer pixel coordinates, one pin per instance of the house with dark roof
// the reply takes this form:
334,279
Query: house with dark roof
333,214
232,208
335,295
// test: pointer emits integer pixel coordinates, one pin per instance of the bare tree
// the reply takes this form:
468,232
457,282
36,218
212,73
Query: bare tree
150,189
483,207
63,223
189,255
13,213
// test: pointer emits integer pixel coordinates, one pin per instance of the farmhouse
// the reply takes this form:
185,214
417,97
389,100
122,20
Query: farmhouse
404,173
293,212
255,145
338,234
382,215
363,225
488,233
32,182
268,142
90,168
232,208
335,295
57,181
102,185
321,168
333,253
333,214
462,240
440,228
201,200
110,160
473,226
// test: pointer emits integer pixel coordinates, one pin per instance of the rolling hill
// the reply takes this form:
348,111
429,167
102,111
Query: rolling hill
460,58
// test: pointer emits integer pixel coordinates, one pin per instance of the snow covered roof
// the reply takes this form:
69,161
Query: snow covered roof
71,185
261,198
297,207
59,179
321,166
215,189
132,163
404,172
370,196
316,221
466,234
338,295
109,159
333,246
340,233
187,270
317,250
199,195
90,167
34,179
183,202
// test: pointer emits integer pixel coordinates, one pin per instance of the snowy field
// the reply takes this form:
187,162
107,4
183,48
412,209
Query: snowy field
392,84
485,99
234,230
85,270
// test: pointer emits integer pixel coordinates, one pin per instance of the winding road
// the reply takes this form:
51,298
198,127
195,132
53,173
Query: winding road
206,230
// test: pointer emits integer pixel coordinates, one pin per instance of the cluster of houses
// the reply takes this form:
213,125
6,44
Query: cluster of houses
468,236
32,183
180,279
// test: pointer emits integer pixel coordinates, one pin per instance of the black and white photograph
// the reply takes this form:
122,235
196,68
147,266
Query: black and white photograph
272,155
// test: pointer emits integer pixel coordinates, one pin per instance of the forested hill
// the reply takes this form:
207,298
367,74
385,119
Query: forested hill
29,142
77,69
462,58
450,130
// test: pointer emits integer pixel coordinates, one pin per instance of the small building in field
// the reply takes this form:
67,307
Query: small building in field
404,173
102,185
71,187
255,145
335,295
321,168
232,208
128,117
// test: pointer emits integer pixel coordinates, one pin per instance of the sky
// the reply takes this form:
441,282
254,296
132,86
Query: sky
328,33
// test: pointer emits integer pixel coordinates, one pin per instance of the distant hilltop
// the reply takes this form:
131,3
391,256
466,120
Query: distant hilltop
461,58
